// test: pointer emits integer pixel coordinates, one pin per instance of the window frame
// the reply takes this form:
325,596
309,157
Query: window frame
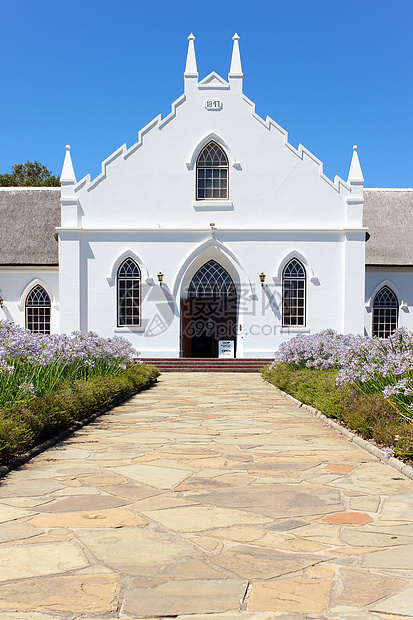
300,279
120,318
215,168
46,320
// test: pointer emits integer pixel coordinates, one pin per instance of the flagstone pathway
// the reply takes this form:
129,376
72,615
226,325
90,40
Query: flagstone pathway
209,496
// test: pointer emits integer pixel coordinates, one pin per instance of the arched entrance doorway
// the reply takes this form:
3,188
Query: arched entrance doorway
209,313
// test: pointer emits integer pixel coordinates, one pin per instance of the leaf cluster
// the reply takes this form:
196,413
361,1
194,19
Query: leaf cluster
30,174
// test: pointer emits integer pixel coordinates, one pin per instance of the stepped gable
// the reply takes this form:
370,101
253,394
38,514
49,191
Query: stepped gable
388,214
29,217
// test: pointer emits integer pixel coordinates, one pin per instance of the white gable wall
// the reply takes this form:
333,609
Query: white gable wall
143,205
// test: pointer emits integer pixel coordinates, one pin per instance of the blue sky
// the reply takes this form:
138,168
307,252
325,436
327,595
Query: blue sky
91,74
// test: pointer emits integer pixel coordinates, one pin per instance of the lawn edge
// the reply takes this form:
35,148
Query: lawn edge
16,462
396,464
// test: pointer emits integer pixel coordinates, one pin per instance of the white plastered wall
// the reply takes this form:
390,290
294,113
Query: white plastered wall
17,282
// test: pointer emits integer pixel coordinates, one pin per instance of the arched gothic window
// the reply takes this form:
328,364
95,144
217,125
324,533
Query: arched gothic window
211,280
129,294
293,295
38,310
212,173
385,313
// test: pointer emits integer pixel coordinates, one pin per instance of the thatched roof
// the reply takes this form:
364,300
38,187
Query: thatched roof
29,217
28,220
388,214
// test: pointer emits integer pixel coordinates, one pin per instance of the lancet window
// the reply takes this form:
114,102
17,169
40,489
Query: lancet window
38,308
385,313
129,294
212,173
294,294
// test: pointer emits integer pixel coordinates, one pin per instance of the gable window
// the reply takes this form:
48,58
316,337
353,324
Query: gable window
385,313
129,294
293,294
212,173
38,310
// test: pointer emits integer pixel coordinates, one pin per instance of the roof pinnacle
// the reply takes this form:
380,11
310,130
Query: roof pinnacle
190,67
68,174
355,174
236,68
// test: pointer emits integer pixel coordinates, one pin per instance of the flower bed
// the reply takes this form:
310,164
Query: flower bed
47,382
31,364
365,382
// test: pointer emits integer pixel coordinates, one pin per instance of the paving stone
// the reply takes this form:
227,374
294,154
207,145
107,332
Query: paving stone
375,477
134,492
397,557
185,597
276,501
9,513
28,488
141,552
295,595
401,603
366,537
158,477
18,562
366,503
263,538
256,563
161,501
102,480
361,588
348,518
320,532
115,517
209,544
398,508
81,594
67,453
15,530
199,518
88,502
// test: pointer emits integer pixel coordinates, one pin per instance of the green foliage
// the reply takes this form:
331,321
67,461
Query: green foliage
24,425
30,174
370,415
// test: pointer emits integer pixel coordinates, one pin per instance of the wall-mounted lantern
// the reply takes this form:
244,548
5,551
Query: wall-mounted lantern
262,278
1,299
160,278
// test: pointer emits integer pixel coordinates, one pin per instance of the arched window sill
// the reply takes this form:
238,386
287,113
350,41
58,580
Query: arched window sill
213,205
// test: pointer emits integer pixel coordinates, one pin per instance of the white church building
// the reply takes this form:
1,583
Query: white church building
211,233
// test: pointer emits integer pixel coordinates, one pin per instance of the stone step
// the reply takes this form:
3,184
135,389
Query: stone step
197,364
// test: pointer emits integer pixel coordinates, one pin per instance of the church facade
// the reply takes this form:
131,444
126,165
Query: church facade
211,236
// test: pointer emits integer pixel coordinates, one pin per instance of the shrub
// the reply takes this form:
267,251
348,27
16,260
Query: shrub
26,424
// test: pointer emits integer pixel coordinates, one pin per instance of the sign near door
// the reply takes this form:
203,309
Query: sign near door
226,348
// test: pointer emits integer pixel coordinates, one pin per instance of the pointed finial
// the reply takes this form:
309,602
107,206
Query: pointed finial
191,68
355,174
68,174
236,68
